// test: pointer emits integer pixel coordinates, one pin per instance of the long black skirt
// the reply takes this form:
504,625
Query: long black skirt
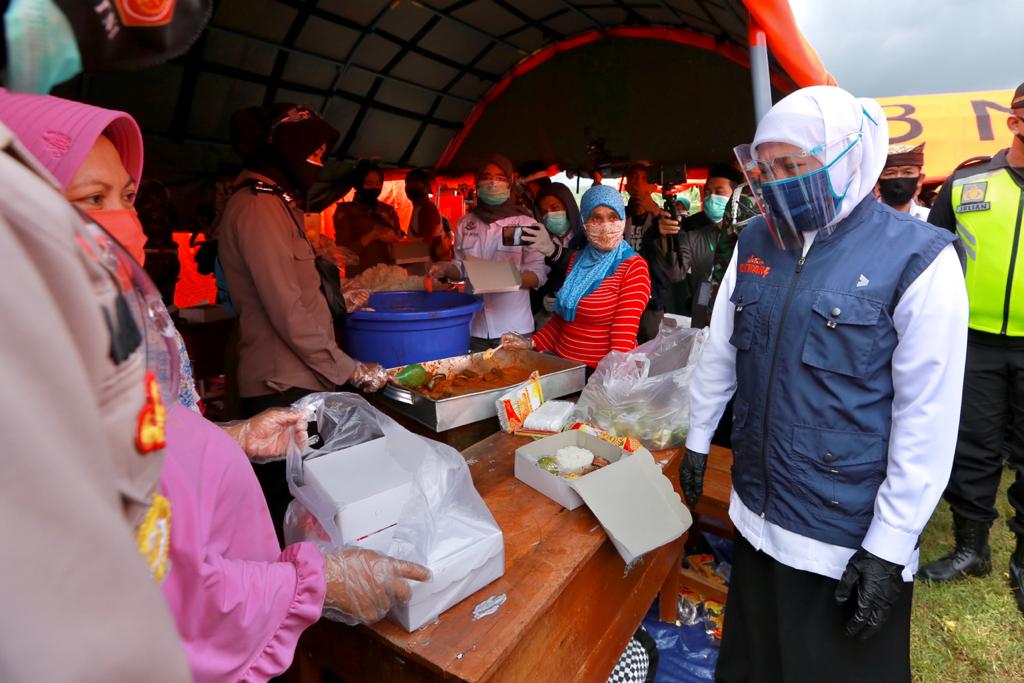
783,624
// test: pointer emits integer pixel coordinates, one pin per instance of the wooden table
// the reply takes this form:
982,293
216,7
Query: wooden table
711,514
571,607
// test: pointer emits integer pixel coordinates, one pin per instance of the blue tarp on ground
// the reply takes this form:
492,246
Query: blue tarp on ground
685,653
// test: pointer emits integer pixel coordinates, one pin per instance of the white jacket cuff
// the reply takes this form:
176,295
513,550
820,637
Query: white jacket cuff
699,440
890,543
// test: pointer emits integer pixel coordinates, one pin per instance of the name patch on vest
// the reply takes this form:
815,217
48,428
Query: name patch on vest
755,266
973,198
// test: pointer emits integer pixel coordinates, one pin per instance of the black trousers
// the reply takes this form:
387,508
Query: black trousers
993,409
272,474
783,624
479,344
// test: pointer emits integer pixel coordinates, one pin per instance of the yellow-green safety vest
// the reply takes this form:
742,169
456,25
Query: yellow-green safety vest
988,208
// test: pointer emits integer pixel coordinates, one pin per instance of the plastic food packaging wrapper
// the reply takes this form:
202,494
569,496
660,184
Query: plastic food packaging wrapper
645,392
630,444
444,525
517,404
549,419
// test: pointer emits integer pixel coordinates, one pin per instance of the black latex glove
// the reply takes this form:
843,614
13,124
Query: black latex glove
691,475
878,583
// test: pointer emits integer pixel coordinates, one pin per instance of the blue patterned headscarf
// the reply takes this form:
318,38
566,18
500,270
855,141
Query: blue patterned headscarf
602,195
592,266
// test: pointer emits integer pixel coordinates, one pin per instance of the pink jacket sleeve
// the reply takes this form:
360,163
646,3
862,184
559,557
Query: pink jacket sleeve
240,604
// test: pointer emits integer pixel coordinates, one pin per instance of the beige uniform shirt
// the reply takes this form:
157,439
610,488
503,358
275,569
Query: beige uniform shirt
79,603
287,334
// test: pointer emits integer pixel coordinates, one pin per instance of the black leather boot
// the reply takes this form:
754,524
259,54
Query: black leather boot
970,557
1017,573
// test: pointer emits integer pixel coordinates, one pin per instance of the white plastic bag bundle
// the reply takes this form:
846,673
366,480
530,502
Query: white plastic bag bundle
443,517
644,393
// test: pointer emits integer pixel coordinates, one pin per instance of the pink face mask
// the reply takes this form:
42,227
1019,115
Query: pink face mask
124,226
605,236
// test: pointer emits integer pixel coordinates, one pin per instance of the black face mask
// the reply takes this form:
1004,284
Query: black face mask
415,195
897,191
368,195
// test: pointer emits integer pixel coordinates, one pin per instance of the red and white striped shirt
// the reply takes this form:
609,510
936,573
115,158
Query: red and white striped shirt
607,319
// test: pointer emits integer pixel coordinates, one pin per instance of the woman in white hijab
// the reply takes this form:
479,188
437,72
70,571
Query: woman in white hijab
840,327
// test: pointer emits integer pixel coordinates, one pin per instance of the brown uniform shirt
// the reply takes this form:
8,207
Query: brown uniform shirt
352,221
78,601
287,334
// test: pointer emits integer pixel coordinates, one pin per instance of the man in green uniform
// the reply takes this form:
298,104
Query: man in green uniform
983,202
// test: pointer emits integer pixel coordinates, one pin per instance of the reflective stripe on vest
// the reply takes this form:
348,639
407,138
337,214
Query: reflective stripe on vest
989,208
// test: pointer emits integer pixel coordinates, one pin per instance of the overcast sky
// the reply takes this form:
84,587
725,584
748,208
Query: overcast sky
878,48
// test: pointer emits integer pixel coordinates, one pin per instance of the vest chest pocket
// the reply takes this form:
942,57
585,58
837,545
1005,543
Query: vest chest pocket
842,333
745,319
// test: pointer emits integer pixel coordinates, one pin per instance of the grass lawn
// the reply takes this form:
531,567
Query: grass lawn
969,630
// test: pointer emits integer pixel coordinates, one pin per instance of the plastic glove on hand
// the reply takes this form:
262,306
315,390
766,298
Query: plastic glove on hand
516,342
362,586
265,437
355,299
878,584
538,238
667,226
691,476
444,270
369,377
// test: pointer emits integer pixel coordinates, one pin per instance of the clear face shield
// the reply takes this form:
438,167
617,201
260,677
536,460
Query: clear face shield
793,186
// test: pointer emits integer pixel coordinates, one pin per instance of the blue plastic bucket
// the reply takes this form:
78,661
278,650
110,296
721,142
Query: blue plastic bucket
411,327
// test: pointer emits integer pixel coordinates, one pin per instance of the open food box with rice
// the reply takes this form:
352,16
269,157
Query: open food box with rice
627,492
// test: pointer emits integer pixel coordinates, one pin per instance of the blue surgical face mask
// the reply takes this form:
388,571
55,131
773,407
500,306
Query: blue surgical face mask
714,207
807,202
492,193
557,222
41,46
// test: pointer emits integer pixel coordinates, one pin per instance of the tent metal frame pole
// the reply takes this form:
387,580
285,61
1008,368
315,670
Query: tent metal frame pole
443,14
759,75
340,65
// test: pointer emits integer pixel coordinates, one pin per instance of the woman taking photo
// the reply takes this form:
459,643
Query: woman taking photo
606,289
561,237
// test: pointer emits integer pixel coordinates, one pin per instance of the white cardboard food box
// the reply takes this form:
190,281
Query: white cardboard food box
631,498
492,277
461,566
367,489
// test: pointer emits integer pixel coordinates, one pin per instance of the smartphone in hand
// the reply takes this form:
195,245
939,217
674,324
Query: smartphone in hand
512,235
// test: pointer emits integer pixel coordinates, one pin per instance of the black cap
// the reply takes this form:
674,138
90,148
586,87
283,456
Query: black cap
727,171
1018,98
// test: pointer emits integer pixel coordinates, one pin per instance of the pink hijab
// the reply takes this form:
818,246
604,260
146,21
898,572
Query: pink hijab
60,133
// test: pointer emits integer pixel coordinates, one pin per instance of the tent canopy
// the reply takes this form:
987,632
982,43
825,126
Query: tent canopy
438,82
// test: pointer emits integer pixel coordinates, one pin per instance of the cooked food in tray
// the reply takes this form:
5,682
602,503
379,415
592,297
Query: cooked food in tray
438,382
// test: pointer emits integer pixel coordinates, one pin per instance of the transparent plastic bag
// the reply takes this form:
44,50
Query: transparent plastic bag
644,393
444,513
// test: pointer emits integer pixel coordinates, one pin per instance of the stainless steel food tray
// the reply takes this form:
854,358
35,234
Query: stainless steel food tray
559,377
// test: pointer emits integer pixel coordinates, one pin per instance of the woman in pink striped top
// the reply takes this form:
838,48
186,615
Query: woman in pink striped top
606,290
